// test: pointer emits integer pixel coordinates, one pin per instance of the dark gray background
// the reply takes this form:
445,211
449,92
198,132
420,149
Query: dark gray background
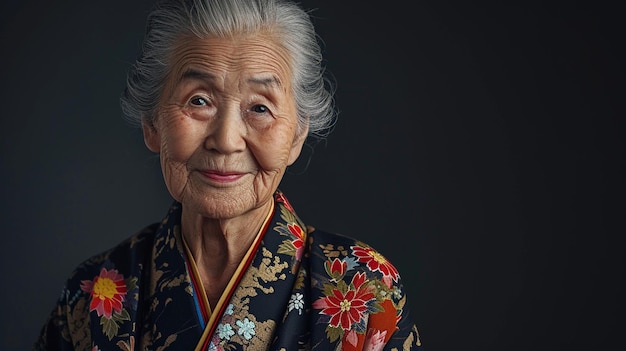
479,147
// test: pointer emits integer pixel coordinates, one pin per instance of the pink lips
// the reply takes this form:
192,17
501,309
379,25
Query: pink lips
222,177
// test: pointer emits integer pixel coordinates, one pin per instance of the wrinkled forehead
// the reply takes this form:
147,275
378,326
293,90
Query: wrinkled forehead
247,56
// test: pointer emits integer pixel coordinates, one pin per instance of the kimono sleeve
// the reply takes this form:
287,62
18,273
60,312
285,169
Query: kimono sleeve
55,334
358,298
406,335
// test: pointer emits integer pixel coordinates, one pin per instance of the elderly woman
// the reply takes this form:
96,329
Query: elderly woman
226,92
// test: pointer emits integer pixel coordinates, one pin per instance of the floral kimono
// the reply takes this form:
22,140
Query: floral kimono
298,288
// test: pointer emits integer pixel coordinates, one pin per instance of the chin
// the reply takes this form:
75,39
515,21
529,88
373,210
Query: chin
221,204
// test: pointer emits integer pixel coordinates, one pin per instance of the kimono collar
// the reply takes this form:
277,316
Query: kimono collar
175,299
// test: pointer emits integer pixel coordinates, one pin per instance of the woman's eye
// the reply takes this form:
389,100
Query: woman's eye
198,101
259,109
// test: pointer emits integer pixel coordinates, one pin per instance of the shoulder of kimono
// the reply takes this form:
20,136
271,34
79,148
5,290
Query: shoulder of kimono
128,258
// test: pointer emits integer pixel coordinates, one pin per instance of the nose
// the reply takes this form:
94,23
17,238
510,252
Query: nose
226,132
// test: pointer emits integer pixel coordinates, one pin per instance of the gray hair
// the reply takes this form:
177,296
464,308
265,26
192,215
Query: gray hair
171,20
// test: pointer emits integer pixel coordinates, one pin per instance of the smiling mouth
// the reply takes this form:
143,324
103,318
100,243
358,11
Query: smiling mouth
222,177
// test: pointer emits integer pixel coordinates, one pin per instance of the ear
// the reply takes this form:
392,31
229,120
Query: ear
296,146
151,136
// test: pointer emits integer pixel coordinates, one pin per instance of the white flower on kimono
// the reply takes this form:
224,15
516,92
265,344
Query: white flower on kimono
215,347
397,293
296,302
225,331
375,340
229,309
246,328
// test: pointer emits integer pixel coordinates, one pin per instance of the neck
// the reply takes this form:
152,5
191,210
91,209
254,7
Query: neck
219,245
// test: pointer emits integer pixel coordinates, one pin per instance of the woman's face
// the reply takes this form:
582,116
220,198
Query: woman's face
226,127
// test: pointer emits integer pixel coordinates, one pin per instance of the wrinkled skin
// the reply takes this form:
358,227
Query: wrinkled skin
226,129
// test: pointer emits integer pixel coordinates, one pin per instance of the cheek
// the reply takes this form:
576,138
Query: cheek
179,139
271,147
178,144
174,167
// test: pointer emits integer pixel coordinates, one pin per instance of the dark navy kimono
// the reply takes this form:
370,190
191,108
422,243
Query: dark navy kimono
298,288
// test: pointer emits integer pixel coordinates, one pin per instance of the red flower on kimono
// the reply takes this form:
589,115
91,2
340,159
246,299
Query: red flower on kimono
385,321
298,242
375,340
376,262
280,197
335,268
108,291
347,308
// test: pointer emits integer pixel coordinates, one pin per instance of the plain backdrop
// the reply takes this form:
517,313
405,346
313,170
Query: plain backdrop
479,147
